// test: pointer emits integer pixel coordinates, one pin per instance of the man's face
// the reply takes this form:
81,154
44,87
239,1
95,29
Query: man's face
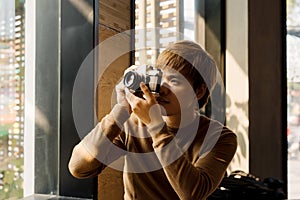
176,93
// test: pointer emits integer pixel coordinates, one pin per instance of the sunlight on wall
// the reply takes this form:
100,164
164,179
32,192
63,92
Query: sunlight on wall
237,111
237,82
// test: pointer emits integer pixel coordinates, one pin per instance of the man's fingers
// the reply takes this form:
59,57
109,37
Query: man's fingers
147,94
128,95
131,98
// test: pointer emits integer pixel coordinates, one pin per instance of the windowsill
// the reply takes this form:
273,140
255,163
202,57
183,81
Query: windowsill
52,197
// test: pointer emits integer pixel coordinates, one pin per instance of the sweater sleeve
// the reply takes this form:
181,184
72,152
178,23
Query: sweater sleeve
100,147
194,179
103,142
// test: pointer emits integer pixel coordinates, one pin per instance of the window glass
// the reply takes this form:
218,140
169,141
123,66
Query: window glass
177,16
11,98
293,106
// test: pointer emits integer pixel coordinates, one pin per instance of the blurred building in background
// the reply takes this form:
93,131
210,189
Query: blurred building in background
11,98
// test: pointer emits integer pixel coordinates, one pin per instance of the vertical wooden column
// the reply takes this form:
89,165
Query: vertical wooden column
267,84
114,18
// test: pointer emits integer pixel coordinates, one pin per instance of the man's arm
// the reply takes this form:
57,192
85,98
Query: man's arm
199,179
82,164
90,156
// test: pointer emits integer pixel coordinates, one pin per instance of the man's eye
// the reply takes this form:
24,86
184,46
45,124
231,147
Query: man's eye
174,81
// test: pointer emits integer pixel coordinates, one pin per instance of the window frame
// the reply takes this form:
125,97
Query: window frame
58,38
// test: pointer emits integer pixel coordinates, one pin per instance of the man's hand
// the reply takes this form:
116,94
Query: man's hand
147,109
121,98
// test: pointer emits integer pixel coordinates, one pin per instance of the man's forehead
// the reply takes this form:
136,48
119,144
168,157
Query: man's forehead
170,71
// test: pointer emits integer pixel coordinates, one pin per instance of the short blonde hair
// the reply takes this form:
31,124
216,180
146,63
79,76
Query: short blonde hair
193,62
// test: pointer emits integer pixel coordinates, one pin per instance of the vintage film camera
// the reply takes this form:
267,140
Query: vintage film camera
148,74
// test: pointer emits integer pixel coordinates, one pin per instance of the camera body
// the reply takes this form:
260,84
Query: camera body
148,74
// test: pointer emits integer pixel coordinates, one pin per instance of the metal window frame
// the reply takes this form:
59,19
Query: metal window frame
58,38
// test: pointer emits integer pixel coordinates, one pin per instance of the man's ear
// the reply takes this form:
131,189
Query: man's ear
200,91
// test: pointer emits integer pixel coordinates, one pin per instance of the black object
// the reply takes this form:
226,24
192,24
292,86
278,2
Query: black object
149,75
243,186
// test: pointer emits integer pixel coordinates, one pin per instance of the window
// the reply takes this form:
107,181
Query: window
293,104
12,64
158,23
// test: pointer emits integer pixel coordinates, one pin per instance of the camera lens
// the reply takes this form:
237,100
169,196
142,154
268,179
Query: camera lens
132,80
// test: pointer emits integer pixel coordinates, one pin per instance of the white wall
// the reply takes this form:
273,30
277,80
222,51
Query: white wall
237,81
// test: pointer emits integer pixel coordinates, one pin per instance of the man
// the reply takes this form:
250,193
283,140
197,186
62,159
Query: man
164,147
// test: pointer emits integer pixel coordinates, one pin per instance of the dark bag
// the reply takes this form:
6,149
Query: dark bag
243,186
